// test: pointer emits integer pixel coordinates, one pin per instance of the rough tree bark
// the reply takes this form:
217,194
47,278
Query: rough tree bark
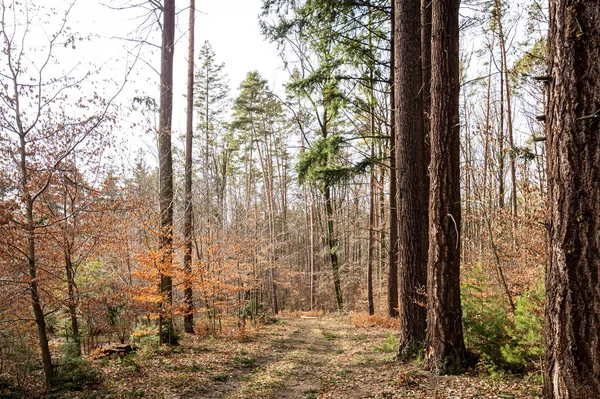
411,174
445,349
165,158
392,292
188,318
572,358
426,72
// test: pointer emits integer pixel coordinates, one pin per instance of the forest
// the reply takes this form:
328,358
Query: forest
414,213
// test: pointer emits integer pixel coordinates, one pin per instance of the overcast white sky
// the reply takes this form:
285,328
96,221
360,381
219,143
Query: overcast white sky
231,26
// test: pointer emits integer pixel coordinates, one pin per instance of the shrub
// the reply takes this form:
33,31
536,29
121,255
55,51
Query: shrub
73,372
503,343
8,391
484,318
526,344
390,345
146,337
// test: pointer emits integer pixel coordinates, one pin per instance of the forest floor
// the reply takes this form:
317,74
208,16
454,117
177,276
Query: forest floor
325,357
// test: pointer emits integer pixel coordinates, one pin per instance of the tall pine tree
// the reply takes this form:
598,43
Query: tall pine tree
445,349
572,361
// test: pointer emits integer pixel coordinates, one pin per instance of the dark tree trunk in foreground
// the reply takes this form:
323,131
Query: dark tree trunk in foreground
188,296
411,170
166,172
426,73
445,349
28,202
572,361
392,292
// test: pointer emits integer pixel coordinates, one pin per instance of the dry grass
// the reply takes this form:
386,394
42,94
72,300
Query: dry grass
364,320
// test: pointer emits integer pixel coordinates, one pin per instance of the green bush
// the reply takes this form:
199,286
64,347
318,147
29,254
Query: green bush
503,343
74,373
390,345
146,338
526,344
484,319
8,391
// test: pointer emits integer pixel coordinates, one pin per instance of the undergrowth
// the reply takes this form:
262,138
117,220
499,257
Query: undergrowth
364,320
505,342
73,372
390,345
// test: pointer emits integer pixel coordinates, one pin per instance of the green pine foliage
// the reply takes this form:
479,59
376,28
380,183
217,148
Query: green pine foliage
318,165
73,372
526,345
502,341
484,317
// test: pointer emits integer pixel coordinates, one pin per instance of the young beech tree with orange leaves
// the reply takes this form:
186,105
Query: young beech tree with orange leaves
39,131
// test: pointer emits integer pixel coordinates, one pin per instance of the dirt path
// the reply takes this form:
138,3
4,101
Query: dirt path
322,358
299,365
329,358
295,358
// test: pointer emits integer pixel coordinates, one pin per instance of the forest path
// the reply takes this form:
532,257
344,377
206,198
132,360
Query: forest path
321,358
330,357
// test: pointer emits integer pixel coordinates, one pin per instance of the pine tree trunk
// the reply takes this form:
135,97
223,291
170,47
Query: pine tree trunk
166,171
372,252
188,295
332,244
392,291
371,260
572,358
411,172
426,72
445,349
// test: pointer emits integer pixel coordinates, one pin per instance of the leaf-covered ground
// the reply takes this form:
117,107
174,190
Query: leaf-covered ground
326,357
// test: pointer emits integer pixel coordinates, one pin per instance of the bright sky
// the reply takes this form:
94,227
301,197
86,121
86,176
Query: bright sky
231,26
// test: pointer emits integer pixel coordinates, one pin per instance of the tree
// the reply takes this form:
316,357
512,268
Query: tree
188,211
509,114
444,348
322,166
572,366
411,175
392,287
211,101
37,137
343,52
78,212
258,117
165,159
